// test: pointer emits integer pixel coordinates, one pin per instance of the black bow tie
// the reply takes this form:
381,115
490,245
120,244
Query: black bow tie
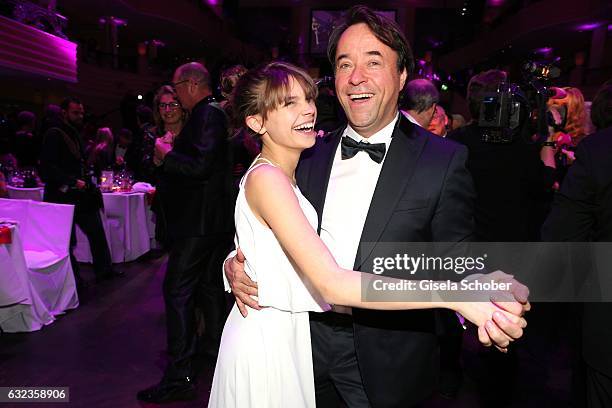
350,147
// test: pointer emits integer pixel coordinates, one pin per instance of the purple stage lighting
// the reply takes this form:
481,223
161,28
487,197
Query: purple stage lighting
588,26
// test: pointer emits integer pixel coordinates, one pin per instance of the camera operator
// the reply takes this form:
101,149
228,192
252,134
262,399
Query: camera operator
508,175
511,176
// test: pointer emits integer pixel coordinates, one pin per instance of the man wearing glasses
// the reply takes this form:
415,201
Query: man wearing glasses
195,193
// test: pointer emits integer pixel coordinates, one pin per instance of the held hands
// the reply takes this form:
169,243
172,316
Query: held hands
499,321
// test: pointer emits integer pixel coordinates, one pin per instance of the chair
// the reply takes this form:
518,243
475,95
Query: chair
35,194
45,230
21,309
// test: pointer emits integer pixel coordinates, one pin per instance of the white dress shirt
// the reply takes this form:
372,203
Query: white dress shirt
349,193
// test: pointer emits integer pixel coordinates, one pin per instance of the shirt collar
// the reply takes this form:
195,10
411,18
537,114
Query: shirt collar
410,117
382,136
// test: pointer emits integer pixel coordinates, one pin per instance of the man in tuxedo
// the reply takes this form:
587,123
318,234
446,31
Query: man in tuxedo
195,191
582,211
379,179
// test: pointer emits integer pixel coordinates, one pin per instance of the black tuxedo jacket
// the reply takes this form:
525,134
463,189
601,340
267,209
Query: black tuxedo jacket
61,165
424,193
582,211
195,187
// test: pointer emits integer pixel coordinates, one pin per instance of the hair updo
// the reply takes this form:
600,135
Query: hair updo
265,88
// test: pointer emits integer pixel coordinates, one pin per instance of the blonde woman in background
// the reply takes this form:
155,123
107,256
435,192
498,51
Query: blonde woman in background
100,156
574,125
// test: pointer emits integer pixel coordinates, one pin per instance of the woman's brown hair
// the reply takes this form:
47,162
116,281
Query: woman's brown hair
265,88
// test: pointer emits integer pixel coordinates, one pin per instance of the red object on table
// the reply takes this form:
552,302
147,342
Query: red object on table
150,196
5,235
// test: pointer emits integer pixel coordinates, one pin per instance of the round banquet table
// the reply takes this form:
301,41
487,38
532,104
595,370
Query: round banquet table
129,226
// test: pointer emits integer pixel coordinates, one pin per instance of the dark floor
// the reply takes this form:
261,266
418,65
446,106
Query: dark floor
113,345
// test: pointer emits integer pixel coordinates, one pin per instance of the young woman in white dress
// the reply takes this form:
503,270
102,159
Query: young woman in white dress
265,359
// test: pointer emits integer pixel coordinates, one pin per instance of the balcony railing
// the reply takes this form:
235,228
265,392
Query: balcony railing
33,15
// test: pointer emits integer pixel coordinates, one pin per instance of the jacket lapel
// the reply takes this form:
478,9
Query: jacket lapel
314,171
398,168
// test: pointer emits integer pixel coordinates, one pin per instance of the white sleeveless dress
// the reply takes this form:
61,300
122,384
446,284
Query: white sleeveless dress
265,359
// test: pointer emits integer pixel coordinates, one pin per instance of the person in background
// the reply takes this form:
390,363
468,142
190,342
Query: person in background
456,121
511,181
169,118
439,122
144,122
89,131
101,155
570,129
195,191
62,168
168,114
582,212
504,187
574,118
125,154
8,162
51,117
26,143
601,108
144,117
244,148
420,100
227,82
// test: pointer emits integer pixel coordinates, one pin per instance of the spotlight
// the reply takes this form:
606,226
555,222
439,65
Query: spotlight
139,97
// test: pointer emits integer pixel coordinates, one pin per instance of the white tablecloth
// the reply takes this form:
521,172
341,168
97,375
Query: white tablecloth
129,225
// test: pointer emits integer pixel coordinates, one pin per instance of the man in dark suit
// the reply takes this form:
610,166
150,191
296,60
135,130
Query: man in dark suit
380,179
195,190
582,211
62,168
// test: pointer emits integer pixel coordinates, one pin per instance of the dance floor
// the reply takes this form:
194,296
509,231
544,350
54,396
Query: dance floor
114,345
